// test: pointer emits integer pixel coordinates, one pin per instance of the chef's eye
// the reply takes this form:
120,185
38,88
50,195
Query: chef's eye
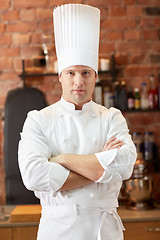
71,73
86,73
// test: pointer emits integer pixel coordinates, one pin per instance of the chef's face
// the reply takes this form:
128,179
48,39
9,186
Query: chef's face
78,84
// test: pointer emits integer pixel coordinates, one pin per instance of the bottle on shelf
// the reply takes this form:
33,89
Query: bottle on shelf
111,100
144,96
98,92
116,94
123,97
159,90
153,93
149,146
130,99
136,99
138,141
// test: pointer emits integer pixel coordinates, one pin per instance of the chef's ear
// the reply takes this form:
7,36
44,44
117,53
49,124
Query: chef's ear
60,75
96,76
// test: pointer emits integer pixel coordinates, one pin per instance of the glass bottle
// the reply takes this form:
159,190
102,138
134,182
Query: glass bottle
159,91
130,99
144,96
153,93
149,146
116,93
136,99
137,139
123,97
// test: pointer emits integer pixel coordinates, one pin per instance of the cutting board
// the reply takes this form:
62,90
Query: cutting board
26,213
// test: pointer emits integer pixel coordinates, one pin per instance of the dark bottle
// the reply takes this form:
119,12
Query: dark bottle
149,146
137,139
153,93
116,94
130,99
123,97
159,91
137,103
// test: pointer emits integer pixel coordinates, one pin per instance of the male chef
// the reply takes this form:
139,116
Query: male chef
75,153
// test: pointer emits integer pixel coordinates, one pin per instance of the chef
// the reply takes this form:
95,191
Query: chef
74,154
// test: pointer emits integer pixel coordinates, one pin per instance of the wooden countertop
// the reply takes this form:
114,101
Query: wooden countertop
29,215
135,216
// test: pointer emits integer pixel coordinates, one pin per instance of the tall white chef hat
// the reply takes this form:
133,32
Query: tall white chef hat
76,30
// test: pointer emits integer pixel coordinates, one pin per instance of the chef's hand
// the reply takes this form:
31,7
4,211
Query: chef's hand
56,159
112,143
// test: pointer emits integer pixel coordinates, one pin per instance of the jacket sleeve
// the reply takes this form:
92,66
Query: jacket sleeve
38,174
117,163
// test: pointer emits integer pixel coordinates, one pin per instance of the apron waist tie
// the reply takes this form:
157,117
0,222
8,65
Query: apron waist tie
103,207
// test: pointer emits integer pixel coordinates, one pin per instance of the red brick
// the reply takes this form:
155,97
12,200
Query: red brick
155,46
149,2
10,15
140,70
30,52
137,58
134,11
17,64
30,3
4,76
106,47
36,38
121,60
20,39
2,27
46,26
118,23
116,35
117,11
133,47
5,63
27,14
44,14
53,3
4,4
150,35
132,35
157,22
104,12
9,52
5,39
147,23
103,34
8,85
103,2
130,2
21,27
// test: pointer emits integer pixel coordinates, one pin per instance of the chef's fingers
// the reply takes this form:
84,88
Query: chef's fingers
112,139
113,144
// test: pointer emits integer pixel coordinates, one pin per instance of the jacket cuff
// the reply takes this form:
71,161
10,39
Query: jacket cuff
57,176
105,159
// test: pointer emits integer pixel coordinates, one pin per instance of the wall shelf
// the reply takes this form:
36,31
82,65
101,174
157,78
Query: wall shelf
113,72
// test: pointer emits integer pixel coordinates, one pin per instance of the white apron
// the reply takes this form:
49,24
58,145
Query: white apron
93,221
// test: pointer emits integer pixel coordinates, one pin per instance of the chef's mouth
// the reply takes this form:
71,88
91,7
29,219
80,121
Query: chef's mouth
78,91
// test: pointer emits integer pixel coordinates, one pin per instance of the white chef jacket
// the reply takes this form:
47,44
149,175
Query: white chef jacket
58,129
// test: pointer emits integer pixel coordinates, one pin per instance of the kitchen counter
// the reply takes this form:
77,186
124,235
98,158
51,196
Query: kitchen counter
21,222
29,215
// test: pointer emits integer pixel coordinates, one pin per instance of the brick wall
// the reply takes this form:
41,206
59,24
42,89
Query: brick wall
130,29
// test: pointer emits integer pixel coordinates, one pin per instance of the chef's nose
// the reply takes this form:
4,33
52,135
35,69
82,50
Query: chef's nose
78,80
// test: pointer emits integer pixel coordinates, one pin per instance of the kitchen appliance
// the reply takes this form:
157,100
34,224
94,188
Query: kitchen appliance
138,188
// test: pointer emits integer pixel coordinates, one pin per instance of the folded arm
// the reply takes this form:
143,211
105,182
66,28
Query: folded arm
84,168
